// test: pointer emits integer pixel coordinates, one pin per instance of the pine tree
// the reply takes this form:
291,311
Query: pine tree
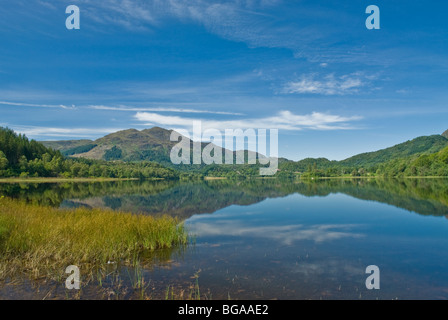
3,161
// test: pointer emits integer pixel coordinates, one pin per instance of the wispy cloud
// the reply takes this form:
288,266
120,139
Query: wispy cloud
40,132
319,33
243,21
327,85
47,5
284,120
161,109
133,15
20,104
122,108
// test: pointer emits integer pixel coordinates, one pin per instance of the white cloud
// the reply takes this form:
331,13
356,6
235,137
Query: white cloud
284,120
162,109
19,104
38,132
328,85
122,108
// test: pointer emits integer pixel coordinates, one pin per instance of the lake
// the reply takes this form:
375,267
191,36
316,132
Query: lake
271,239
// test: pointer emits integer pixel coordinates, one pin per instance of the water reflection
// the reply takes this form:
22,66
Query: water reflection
423,196
272,239
285,234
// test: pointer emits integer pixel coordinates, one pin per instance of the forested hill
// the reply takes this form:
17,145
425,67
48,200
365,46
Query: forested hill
130,145
425,144
16,149
22,157
370,160
445,134
425,164
422,156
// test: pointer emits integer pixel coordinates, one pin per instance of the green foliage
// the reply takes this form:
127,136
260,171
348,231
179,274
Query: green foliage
17,147
113,154
307,164
427,144
435,164
65,144
3,161
79,149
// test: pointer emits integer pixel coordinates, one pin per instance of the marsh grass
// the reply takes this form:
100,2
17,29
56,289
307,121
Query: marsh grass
40,242
192,293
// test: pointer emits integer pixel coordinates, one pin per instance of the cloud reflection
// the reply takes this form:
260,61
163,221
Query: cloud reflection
286,234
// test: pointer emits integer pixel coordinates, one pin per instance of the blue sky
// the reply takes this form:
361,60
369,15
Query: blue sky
312,69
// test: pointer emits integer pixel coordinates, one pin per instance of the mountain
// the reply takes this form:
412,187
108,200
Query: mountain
154,145
128,145
445,134
65,144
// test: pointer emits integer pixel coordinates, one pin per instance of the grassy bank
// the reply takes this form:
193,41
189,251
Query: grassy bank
38,241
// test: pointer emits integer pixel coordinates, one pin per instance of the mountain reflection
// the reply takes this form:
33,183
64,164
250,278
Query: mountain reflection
184,199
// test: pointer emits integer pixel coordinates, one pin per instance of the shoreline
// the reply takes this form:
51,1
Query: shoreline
215,178
374,177
56,179
61,180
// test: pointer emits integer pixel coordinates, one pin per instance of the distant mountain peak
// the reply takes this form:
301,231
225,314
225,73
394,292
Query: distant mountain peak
159,133
445,134
156,129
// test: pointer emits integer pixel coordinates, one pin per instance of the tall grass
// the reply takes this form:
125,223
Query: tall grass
43,241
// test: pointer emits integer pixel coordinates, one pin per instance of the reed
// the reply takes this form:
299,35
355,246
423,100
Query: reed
40,241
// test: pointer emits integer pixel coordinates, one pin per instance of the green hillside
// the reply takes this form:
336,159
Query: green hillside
426,144
383,161
307,164
435,164
65,144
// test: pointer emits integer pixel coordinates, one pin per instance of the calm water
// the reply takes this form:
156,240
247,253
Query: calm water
270,239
